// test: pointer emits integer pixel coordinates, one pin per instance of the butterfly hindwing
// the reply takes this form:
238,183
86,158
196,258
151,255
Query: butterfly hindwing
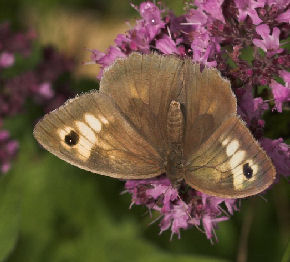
230,163
91,133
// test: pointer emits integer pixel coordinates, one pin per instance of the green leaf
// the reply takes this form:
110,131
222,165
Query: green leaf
9,214
247,54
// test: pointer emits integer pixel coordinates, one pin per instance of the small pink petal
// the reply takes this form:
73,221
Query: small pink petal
166,45
6,59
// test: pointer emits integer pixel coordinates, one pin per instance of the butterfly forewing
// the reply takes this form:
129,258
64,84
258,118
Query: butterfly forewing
143,87
230,163
91,133
208,102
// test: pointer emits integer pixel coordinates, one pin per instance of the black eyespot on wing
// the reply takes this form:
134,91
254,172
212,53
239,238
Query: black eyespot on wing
248,171
72,138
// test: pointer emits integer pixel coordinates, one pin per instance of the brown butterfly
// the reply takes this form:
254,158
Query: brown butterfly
159,114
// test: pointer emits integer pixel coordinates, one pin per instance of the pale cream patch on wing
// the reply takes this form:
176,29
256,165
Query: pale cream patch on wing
86,131
225,142
62,132
86,141
103,120
83,148
93,122
237,168
237,162
232,147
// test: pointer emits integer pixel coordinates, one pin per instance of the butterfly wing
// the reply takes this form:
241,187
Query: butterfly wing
143,87
90,132
221,156
230,163
208,102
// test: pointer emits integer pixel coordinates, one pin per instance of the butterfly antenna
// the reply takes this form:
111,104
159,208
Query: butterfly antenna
265,199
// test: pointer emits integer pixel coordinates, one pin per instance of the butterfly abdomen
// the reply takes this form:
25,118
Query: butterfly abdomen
175,123
175,129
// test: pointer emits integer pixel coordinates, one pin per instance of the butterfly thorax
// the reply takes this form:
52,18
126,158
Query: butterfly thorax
175,130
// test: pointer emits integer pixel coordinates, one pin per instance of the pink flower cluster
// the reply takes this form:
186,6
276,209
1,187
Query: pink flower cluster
11,43
214,33
8,150
180,210
35,84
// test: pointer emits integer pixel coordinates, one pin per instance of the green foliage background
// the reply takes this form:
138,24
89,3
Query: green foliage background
52,211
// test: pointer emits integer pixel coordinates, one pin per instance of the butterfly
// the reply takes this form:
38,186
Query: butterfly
156,114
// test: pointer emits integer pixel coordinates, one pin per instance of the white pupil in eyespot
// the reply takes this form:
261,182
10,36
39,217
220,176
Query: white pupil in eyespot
72,138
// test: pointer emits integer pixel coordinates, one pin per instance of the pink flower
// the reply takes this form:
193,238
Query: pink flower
166,45
177,214
6,59
203,47
251,109
136,39
209,224
281,94
175,219
269,43
140,37
284,17
285,75
106,59
152,21
280,154
4,135
151,14
8,150
15,42
279,3
202,57
5,167
211,7
16,89
45,90
196,17
248,8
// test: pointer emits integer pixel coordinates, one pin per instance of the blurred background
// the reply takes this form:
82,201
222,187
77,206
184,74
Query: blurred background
52,211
